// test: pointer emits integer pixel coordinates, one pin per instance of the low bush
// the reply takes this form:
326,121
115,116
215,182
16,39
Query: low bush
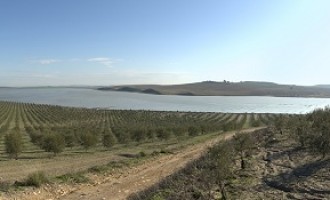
35,179
4,186
142,154
74,178
98,169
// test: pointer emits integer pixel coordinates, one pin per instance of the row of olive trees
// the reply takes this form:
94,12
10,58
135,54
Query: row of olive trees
55,141
50,142
52,116
311,131
121,135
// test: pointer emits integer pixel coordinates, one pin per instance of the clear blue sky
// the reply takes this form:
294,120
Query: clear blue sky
105,42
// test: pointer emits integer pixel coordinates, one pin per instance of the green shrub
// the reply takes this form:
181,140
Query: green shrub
243,145
36,138
255,123
98,169
4,186
165,151
151,134
14,144
69,139
138,135
117,164
193,131
155,153
53,143
142,154
179,132
312,131
157,196
36,179
163,134
109,139
88,140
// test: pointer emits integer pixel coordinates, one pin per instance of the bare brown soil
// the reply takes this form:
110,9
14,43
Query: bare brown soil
283,170
13,170
122,183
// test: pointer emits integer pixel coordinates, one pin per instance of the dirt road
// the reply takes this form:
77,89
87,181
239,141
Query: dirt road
132,180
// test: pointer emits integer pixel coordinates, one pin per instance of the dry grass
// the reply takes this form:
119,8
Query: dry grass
73,161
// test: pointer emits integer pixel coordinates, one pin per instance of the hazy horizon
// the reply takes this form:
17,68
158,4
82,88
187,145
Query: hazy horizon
96,86
100,43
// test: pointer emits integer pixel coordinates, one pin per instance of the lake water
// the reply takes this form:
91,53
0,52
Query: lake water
90,98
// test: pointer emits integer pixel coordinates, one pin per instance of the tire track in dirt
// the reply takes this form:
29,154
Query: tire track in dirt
147,174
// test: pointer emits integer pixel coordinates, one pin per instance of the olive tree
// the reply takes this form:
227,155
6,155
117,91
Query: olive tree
243,144
221,158
53,143
88,140
109,139
193,131
14,144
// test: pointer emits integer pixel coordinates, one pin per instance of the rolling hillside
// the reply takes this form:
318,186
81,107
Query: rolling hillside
211,88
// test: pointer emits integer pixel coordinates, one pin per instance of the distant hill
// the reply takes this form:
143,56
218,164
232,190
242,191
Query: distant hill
212,88
323,86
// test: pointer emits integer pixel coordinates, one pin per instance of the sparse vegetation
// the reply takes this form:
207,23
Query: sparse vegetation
262,165
57,129
73,178
35,179
311,131
5,186
69,132
218,174
243,145
206,178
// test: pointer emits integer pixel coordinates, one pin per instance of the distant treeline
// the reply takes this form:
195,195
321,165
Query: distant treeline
226,88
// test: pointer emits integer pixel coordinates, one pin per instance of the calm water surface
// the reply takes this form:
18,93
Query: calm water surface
90,98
